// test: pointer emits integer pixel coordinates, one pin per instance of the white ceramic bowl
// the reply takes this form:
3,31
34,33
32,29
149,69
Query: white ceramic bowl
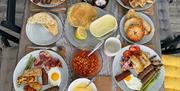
81,80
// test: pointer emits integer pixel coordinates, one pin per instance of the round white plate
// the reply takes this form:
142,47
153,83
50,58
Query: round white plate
81,80
116,69
88,43
146,38
38,35
138,8
23,62
47,5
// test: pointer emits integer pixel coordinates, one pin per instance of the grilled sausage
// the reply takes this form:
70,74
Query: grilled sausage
44,77
55,88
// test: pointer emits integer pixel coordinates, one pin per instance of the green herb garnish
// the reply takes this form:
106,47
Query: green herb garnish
30,62
147,84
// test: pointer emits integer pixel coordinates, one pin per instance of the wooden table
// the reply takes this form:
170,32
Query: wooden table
113,8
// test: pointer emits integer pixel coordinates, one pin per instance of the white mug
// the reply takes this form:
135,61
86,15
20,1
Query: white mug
112,46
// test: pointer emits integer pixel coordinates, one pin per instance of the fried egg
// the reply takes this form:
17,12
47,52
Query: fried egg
133,82
54,76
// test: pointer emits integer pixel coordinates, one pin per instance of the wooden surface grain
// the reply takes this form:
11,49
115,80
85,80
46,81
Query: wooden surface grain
113,8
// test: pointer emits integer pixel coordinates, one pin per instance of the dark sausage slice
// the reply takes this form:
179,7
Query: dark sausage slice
55,88
44,77
28,88
148,76
146,71
122,75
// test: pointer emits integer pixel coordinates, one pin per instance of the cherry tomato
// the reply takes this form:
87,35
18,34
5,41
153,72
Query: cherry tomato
127,54
134,49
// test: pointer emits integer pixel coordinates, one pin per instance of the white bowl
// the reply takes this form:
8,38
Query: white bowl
81,80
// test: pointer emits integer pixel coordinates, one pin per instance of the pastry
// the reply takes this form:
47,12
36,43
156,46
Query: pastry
135,33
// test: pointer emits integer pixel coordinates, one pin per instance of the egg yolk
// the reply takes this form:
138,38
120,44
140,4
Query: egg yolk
55,76
128,78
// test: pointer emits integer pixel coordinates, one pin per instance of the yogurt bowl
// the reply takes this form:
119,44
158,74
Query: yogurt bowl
80,85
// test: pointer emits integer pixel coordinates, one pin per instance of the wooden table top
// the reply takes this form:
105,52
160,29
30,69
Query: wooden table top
113,8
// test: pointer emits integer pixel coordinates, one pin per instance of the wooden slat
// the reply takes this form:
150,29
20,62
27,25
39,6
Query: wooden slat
7,67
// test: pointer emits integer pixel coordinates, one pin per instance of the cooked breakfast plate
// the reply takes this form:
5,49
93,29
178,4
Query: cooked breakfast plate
136,27
138,67
78,25
136,4
44,28
47,3
41,70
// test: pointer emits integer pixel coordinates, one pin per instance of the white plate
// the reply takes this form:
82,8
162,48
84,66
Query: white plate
23,62
47,5
138,8
146,38
81,80
38,35
116,69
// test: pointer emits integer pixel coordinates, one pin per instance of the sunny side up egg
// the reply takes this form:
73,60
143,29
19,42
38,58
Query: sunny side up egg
54,76
133,82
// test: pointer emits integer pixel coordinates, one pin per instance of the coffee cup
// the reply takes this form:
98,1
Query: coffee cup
112,46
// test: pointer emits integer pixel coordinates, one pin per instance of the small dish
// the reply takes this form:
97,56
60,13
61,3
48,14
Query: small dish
79,81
